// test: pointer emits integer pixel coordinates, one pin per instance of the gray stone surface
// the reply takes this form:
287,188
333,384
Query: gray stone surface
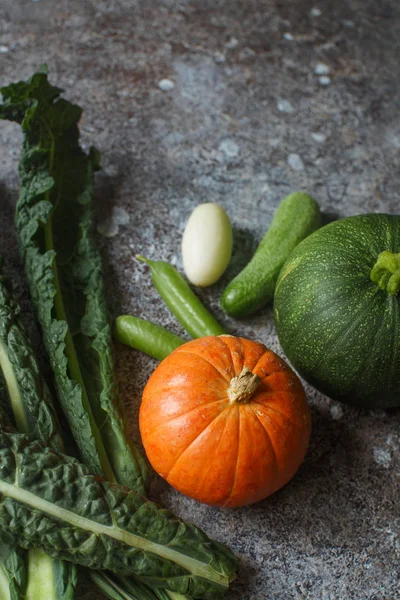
200,100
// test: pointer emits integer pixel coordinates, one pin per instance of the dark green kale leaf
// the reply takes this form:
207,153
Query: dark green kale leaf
63,266
13,572
13,567
50,500
27,402
29,397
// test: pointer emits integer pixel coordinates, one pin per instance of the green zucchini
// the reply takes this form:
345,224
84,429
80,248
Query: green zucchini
337,310
297,216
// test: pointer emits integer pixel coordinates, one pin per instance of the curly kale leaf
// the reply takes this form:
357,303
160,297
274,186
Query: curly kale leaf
50,500
29,396
63,266
13,572
55,225
13,567
27,402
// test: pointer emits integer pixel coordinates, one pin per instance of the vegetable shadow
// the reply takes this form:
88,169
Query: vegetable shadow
245,243
106,193
333,506
329,217
127,361
8,238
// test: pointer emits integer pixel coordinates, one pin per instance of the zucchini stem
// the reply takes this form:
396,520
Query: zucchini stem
386,272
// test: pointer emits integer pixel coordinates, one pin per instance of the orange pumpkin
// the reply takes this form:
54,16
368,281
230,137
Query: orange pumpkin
225,420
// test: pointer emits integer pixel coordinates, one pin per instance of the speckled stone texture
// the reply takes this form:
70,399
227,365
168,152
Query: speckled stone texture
240,103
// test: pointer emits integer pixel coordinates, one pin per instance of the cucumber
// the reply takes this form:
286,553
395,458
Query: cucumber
297,216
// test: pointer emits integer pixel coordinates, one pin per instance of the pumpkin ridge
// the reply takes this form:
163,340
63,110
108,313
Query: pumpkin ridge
169,390
243,353
187,413
237,461
221,337
223,375
268,438
193,441
216,451
277,412
266,351
269,442
254,366
268,375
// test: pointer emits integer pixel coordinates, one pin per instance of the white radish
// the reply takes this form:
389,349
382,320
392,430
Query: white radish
207,244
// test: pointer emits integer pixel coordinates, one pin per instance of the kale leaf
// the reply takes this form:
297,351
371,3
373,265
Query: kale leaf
26,401
63,266
51,501
13,572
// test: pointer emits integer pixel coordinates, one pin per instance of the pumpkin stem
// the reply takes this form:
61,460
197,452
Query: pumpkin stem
242,387
386,272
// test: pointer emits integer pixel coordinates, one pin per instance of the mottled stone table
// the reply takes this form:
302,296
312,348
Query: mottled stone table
237,102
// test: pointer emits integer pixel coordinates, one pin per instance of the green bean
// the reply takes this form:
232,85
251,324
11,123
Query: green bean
152,339
182,301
